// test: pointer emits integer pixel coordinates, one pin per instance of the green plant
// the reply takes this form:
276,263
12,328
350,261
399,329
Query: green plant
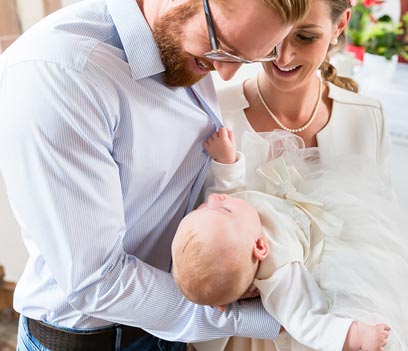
362,15
357,26
385,38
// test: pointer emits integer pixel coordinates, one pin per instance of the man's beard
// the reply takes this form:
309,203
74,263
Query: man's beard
168,34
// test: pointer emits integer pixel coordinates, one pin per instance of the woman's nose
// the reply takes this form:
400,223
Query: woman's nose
285,53
226,70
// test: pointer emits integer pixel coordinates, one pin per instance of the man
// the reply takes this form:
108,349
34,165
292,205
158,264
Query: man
101,151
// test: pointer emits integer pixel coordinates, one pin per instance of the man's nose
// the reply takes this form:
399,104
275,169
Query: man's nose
226,70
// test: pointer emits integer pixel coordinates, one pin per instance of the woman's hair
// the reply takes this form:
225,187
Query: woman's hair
328,71
289,11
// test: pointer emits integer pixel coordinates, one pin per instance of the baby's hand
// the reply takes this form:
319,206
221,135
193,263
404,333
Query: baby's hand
221,146
366,337
250,293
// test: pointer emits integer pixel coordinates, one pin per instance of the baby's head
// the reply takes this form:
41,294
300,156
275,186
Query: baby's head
217,249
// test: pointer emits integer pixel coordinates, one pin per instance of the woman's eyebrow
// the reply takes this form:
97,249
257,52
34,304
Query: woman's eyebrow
308,26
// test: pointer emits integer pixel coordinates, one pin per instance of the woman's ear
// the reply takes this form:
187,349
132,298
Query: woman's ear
261,248
343,22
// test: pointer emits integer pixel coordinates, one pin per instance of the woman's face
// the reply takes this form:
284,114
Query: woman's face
304,49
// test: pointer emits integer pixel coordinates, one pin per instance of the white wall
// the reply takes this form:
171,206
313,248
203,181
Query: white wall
13,254
392,8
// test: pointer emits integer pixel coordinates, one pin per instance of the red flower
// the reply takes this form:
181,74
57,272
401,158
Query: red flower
369,3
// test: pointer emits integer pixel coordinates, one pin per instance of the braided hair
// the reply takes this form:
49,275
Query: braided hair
328,71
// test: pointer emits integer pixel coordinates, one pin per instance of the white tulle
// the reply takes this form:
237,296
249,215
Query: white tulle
363,271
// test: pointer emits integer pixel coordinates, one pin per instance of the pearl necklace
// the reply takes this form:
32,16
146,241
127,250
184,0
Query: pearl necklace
278,122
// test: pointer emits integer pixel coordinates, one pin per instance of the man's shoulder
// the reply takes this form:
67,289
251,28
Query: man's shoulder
65,38
63,50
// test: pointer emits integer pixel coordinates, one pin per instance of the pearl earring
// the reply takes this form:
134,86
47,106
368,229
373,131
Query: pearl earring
334,41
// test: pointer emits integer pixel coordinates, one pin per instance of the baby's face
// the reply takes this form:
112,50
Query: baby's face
230,212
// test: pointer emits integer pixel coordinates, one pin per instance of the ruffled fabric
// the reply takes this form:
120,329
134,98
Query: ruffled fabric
361,230
282,181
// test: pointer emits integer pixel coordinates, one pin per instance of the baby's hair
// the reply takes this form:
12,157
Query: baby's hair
205,276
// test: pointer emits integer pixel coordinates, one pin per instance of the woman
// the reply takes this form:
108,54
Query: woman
290,94
301,93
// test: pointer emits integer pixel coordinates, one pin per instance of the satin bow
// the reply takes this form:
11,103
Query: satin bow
282,181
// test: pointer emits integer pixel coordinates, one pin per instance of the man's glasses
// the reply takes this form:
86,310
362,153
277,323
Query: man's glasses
218,54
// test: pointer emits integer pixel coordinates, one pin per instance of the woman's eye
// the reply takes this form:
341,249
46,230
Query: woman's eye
306,38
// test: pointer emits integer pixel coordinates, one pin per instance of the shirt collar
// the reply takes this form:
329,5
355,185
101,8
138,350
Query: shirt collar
142,52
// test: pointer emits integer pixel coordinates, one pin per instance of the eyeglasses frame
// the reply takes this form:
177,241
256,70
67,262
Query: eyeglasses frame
217,54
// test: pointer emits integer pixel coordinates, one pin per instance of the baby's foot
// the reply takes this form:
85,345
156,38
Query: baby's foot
366,337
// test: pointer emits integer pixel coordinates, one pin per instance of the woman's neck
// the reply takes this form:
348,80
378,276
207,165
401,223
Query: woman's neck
295,105
292,108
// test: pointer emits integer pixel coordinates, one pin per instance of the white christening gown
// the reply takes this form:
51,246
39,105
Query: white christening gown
362,270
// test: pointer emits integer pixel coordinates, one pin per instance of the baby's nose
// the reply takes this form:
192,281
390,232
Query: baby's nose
214,199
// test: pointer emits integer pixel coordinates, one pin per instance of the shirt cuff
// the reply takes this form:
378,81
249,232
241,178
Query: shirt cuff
239,162
255,322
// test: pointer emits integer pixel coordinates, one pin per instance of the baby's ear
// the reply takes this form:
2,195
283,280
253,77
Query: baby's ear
261,248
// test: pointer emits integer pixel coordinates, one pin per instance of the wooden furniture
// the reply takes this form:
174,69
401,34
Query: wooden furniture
51,6
6,297
10,24
10,27
404,6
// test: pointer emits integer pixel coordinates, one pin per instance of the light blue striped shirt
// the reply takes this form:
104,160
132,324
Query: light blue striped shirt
101,160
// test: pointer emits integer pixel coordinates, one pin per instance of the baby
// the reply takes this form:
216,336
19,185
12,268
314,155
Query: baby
232,242
218,252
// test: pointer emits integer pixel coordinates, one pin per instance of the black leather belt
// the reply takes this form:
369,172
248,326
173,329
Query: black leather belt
103,340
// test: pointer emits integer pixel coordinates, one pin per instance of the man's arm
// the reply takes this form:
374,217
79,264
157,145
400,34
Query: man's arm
64,185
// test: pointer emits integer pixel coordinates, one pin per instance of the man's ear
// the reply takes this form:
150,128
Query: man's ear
261,248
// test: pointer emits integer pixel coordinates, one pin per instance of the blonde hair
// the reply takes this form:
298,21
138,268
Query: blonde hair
289,11
208,277
328,71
